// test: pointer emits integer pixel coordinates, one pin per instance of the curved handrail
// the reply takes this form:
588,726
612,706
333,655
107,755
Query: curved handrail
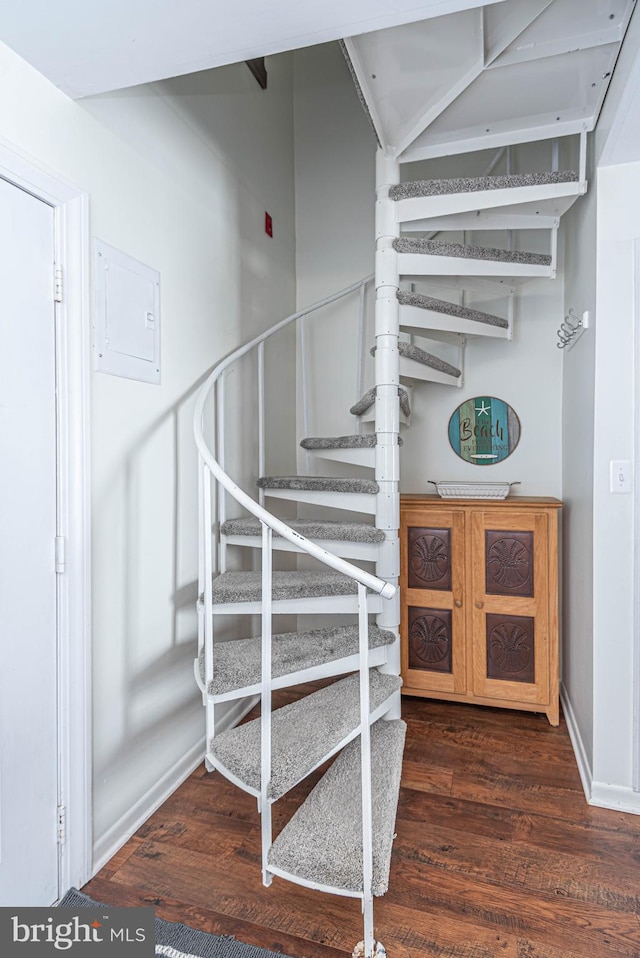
372,582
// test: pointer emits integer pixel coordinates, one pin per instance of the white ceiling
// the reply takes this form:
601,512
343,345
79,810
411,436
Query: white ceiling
85,47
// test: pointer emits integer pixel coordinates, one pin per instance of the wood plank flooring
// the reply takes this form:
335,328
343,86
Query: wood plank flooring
497,854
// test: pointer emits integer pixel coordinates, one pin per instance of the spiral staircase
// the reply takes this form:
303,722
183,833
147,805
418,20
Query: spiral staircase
430,285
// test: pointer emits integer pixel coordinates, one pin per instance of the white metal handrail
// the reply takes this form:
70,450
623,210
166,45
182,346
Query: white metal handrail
370,581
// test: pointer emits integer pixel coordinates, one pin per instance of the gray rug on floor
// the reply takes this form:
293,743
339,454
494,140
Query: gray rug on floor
174,940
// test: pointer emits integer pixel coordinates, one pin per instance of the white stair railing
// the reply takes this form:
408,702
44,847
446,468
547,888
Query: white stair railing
365,775
212,466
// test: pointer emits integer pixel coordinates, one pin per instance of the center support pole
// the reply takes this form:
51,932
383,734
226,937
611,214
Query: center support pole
387,410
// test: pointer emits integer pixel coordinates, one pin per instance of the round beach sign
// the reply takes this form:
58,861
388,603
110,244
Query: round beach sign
484,430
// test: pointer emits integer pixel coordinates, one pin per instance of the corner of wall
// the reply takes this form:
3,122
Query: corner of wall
121,831
615,797
579,750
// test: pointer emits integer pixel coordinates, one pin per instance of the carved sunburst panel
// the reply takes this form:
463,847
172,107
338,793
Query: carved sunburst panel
509,563
429,558
430,639
510,648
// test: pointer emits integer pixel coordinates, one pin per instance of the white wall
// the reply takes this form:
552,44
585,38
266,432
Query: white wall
613,528
578,400
335,184
179,176
526,373
598,425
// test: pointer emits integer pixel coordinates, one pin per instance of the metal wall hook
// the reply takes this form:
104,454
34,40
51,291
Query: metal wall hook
572,328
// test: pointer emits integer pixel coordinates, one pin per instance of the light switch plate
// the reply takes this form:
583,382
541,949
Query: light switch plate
620,476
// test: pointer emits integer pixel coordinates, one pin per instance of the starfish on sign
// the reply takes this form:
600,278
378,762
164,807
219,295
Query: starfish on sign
482,409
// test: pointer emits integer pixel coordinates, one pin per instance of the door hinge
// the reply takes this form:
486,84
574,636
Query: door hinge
57,285
62,824
60,554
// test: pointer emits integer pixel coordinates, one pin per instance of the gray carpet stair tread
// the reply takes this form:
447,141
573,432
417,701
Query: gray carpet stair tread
247,586
475,184
339,442
414,244
323,841
450,309
319,484
409,351
311,528
303,733
238,664
369,398
342,442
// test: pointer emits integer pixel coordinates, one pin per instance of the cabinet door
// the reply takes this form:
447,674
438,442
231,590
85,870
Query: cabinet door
432,605
509,613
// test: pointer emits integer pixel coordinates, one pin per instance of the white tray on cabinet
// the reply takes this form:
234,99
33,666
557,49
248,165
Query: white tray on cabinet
450,489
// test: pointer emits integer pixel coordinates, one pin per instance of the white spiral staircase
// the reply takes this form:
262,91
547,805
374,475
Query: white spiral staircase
428,291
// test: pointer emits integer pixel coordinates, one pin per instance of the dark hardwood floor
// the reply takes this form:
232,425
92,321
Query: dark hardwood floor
497,854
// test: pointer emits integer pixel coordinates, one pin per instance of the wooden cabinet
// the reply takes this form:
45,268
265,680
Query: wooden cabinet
479,599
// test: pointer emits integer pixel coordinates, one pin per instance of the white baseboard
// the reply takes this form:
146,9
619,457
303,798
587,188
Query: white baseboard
616,797
619,798
121,831
584,765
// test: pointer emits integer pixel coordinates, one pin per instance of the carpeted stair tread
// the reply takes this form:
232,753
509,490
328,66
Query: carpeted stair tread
403,191
319,484
450,309
311,528
303,733
369,398
410,351
342,442
238,664
415,244
323,841
339,442
247,586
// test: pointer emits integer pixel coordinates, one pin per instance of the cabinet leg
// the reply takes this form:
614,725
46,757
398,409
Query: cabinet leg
553,713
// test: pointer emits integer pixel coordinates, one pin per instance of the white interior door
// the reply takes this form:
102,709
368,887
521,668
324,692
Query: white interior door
28,654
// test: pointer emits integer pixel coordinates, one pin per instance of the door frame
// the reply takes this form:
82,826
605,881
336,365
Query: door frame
73,586
635,759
